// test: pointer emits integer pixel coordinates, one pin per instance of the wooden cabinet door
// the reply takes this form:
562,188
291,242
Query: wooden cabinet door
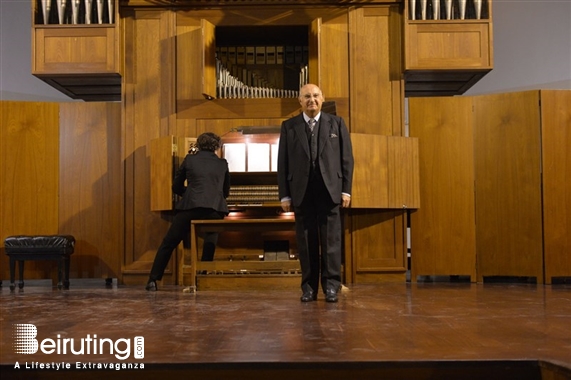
556,166
386,172
443,235
507,162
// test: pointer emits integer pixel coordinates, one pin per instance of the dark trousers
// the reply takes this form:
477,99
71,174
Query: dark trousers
319,238
179,229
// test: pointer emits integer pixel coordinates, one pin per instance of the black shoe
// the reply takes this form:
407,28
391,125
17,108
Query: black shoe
152,286
308,296
331,295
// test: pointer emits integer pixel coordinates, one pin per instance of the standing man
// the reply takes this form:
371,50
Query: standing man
315,171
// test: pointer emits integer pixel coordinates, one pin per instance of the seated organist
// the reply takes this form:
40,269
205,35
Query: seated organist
208,185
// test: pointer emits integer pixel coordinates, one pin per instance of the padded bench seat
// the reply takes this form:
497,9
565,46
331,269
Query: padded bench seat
39,247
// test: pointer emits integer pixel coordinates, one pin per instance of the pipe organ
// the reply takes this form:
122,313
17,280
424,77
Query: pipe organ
247,84
164,61
76,12
448,9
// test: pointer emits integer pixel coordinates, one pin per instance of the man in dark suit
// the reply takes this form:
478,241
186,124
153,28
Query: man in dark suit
315,171
204,197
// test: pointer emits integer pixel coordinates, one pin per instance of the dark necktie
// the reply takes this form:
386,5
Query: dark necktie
311,123
312,140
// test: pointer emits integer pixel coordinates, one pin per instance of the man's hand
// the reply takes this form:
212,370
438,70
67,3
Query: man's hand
345,200
286,206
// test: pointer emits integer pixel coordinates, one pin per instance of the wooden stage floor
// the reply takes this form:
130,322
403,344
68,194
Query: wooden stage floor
389,331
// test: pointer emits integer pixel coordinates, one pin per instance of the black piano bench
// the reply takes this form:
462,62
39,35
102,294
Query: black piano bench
39,247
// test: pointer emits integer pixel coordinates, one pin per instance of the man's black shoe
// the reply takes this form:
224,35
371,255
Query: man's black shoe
308,296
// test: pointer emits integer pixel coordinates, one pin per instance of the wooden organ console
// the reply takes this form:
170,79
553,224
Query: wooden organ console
256,245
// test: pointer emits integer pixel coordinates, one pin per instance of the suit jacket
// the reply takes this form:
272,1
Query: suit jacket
208,182
335,157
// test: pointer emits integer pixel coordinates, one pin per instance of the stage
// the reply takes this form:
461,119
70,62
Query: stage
440,330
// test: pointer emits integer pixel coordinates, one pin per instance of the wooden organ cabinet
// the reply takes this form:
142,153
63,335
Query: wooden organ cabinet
76,47
256,245
448,45
190,66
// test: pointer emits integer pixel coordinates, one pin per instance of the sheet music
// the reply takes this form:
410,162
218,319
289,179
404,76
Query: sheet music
258,157
235,154
274,159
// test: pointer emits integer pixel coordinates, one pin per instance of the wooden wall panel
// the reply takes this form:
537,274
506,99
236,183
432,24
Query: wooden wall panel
386,172
377,251
378,245
261,108
189,58
443,236
223,126
29,183
396,68
370,86
403,174
149,113
458,45
91,187
185,127
332,58
508,185
370,175
78,50
208,61
314,46
556,159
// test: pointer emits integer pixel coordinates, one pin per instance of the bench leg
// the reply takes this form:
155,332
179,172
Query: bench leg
59,273
21,274
66,262
63,273
12,273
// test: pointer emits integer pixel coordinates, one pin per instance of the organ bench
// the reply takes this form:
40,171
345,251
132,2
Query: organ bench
264,270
